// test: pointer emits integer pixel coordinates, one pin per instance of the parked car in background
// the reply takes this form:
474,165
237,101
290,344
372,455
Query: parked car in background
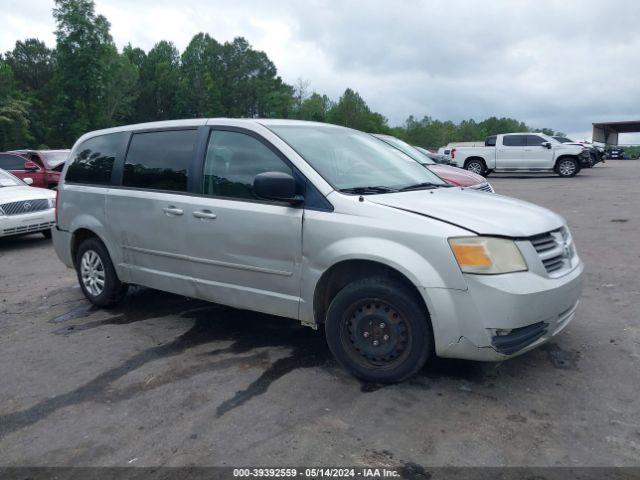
517,152
436,157
319,223
445,152
24,209
615,153
43,166
596,152
452,175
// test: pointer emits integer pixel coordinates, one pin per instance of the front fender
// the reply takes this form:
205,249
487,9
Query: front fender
437,271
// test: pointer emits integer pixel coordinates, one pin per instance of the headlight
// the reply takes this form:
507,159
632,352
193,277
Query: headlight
487,255
51,202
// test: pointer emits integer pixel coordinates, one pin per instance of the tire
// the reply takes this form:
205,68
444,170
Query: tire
476,166
378,310
98,267
567,167
46,233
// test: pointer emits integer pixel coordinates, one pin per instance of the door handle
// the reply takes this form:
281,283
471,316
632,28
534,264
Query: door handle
205,214
173,211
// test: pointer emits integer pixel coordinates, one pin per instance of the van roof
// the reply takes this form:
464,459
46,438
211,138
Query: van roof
198,122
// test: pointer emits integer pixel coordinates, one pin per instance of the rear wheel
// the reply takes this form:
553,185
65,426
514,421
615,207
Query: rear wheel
567,167
96,275
378,330
475,166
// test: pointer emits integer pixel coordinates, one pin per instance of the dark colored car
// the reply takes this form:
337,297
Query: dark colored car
616,153
596,154
42,166
452,175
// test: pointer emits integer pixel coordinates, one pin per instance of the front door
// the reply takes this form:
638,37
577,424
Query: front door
535,156
245,252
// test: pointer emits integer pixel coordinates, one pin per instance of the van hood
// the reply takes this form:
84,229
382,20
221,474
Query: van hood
478,212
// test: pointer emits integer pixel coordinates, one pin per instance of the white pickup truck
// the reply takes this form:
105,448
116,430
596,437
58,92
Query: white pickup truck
515,152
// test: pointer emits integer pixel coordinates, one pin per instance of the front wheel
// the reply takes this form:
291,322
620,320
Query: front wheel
568,167
378,330
475,166
96,275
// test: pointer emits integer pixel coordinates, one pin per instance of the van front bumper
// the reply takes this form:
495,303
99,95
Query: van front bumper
502,316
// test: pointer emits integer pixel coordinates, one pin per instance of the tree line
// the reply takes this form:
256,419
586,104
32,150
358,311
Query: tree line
49,97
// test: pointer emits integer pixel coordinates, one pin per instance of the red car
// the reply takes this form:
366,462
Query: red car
452,175
42,166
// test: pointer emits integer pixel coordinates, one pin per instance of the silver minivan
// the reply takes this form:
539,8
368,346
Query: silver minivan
319,223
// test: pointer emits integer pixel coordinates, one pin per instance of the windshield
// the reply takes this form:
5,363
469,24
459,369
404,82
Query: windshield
53,159
563,140
349,159
8,180
413,152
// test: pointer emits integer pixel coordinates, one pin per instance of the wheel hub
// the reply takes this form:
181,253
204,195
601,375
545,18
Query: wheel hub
567,168
92,272
377,332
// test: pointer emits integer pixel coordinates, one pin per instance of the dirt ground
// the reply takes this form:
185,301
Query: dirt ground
167,381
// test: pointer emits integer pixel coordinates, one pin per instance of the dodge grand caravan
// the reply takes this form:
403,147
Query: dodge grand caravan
322,224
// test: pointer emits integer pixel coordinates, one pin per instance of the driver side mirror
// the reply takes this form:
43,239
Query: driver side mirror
276,186
28,180
546,144
30,166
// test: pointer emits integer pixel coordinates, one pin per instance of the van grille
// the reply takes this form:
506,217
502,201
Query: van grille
24,206
555,250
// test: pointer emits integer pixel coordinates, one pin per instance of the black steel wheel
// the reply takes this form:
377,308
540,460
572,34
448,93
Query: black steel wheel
378,330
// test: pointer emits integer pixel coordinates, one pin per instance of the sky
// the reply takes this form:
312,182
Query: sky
550,63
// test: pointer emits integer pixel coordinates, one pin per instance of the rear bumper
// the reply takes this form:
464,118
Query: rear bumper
27,223
62,246
502,316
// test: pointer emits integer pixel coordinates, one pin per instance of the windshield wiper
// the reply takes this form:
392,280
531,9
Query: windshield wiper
422,186
368,190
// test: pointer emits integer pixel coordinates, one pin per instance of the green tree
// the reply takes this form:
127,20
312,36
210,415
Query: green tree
14,118
352,111
201,69
120,89
315,108
83,44
32,64
159,84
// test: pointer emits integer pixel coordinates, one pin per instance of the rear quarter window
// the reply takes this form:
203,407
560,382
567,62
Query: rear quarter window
93,161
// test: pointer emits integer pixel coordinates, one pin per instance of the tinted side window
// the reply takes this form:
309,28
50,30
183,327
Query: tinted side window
534,140
490,141
233,160
160,160
11,162
514,140
93,160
